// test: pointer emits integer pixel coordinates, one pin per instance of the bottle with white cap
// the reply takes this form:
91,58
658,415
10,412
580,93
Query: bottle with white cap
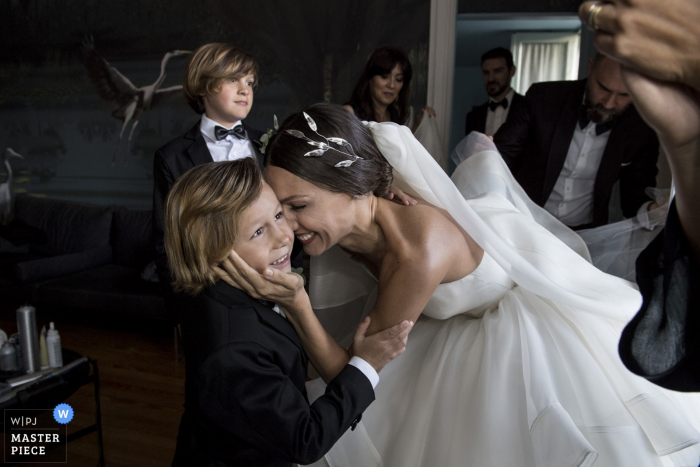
53,342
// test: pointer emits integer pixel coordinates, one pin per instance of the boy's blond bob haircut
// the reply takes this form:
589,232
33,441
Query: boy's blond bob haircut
211,65
201,219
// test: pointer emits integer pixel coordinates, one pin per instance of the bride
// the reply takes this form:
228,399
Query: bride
513,358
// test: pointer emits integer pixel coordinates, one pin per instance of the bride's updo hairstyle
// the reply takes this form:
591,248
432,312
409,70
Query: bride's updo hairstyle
371,174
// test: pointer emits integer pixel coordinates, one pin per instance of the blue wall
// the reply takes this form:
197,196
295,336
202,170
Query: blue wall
477,33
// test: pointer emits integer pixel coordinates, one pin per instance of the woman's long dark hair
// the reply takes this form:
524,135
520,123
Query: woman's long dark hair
382,61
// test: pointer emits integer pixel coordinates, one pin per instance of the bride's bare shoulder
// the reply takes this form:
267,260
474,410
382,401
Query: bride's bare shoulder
427,236
417,229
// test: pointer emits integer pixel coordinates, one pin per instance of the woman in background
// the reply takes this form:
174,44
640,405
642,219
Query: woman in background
381,93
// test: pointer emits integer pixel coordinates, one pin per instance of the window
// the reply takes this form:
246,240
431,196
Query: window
543,56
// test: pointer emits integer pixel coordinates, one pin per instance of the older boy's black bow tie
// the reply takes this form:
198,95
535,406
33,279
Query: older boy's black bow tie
493,105
600,128
222,132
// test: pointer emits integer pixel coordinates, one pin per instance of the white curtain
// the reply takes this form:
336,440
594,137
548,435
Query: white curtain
544,57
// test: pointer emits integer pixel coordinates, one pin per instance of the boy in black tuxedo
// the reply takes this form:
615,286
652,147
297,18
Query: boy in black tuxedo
219,84
245,398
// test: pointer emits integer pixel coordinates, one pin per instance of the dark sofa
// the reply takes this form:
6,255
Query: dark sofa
79,256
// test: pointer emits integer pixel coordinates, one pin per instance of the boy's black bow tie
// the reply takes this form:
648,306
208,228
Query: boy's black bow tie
493,105
222,132
600,128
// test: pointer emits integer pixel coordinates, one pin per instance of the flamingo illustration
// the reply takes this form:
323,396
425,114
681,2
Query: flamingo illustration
111,85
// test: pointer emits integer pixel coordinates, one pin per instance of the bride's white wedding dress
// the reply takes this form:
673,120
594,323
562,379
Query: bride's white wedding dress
513,365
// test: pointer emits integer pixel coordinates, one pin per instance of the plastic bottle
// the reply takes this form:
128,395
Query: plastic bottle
43,350
8,357
53,343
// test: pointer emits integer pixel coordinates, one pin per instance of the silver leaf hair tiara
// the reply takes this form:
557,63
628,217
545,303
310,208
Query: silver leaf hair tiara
321,148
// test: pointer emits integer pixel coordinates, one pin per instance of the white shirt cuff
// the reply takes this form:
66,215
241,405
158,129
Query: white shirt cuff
366,370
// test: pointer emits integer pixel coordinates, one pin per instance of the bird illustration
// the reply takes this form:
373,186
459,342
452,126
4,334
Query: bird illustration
111,85
5,201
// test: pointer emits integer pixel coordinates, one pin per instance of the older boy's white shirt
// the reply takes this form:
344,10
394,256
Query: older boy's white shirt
229,148
359,363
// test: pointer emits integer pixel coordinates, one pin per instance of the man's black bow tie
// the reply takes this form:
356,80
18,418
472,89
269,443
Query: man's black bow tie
600,128
493,105
222,132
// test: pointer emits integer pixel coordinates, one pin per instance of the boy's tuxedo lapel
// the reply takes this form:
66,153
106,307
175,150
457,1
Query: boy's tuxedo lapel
229,294
279,323
198,151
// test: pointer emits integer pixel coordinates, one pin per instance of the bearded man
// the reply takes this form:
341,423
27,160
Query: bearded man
572,140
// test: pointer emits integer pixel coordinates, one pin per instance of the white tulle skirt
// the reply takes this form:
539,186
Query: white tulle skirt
528,384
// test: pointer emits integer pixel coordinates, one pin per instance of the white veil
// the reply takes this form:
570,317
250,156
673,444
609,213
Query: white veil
613,247
544,256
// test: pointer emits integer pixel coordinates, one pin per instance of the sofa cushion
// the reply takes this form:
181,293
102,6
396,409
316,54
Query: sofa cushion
107,289
19,233
8,247
60,265
132,233
11,290
70,227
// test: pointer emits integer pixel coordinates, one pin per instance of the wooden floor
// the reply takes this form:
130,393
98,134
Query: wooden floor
142,387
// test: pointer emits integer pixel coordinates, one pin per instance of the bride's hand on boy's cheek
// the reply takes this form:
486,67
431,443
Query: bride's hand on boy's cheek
396,194
276,286
228,273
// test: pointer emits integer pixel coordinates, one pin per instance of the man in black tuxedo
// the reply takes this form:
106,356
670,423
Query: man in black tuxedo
219,85
497,70
573,140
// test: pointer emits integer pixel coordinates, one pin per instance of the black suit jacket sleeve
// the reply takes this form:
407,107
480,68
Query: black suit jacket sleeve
476,119
163,180
513,137
639,174
248,395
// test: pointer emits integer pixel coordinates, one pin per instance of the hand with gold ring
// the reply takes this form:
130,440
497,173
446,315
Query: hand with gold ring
658,39
590,19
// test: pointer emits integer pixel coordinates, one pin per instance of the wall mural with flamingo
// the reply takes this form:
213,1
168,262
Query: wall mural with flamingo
90,89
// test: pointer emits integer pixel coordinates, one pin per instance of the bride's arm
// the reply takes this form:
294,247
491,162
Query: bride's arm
327,357
416,263
405,289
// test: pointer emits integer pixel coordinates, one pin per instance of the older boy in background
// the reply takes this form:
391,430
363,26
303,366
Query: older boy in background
219,84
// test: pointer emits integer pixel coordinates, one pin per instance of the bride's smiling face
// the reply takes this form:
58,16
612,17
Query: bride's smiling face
319,218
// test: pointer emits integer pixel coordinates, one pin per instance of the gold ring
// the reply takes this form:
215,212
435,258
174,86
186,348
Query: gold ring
592,16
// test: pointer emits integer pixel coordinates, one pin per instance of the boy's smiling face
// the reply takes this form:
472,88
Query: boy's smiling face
232,103
264,237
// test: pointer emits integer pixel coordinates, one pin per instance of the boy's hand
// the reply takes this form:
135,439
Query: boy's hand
286,289
399,196
382,347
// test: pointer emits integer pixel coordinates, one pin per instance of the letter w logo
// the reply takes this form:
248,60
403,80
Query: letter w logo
63,414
